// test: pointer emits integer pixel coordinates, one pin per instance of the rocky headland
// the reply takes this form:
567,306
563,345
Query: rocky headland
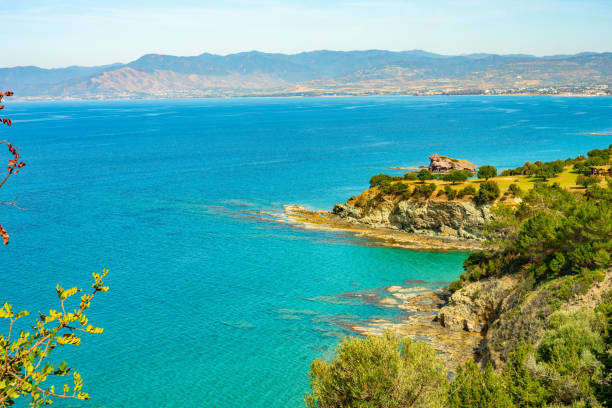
392,221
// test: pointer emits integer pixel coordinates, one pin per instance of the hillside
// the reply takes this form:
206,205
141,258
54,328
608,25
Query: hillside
376,72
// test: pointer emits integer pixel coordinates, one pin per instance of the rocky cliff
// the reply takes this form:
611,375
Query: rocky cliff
512,309
458,219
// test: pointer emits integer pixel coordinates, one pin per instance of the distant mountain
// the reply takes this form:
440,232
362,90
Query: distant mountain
310,73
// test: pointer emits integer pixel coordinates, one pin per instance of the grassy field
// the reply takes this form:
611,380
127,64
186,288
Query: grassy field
566,179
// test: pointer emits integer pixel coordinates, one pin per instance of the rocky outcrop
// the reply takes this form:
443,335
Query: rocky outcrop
509,310
444,164
460,219
473,307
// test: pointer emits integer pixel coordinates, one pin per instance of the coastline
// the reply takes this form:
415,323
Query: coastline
274,96
301,217
419,306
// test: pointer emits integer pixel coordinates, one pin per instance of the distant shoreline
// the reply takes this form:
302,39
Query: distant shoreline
272,96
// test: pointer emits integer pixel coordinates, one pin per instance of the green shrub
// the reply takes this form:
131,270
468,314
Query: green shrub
584,181
410,176
424,190
378,371
524,389
473,388
467,190
487,192
451,193
380,178
515,190
425,175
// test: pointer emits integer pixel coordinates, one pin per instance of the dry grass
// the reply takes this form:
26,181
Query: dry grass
566,179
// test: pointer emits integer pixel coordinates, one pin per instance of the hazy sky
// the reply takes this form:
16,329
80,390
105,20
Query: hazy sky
52,33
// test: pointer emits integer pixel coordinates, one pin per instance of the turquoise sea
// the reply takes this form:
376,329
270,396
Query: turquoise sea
210,306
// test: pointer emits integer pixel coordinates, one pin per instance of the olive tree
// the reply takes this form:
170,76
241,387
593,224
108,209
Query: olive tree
455,176
486,172
425,175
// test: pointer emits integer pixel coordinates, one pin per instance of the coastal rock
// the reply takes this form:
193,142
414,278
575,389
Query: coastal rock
347,211
475,306
458,219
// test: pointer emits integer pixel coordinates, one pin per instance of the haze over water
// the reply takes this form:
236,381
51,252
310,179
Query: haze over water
210,306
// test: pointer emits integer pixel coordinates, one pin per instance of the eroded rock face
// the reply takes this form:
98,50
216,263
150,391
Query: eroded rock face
461,219
474,306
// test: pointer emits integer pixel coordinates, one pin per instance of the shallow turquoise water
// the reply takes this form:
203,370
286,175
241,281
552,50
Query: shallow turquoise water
209,306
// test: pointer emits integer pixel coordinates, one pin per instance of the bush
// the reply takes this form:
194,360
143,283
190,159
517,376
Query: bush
379,179
425,175
424,190
473,388
467,190
410,176
450,192
581,180
455,176
515,190
379,371
488,192
486,172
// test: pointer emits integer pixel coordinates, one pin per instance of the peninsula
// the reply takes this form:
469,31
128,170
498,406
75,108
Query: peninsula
528,323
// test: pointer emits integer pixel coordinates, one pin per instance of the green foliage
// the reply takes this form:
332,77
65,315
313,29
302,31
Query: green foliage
581,180
410,176
487,192
537,169
451,193
397,187
515,190
467,190
378,371
379,179
486,172
455,176
24,365
568,368
553,232
569,350
473,388
424,190
423,175
524,389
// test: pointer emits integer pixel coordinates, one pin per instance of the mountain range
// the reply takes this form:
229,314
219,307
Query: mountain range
310,73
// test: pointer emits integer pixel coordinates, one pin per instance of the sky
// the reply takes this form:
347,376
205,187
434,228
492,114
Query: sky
58,33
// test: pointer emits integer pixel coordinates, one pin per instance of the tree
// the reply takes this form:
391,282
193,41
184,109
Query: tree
488,192
23,360
24,365
14,165
378,371
455,176
581,180
547,170
486,172
380,179
425,175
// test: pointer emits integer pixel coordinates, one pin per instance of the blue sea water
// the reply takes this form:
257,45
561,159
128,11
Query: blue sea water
210,306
